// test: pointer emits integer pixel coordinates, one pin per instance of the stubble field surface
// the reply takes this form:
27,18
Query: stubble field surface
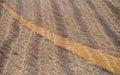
92,25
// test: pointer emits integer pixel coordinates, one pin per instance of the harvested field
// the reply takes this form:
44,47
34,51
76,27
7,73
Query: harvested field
59,37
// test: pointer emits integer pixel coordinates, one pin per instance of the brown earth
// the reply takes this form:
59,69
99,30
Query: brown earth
95,24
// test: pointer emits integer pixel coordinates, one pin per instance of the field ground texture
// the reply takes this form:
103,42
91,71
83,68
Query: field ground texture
91,29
